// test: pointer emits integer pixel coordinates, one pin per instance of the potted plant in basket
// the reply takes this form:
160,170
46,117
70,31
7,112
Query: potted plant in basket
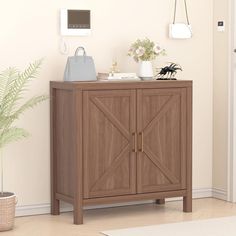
145,51
12,86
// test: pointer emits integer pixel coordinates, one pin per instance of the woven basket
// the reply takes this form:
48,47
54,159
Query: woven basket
7,211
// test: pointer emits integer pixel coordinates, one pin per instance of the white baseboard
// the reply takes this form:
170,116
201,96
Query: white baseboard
40,209
202,193
219,194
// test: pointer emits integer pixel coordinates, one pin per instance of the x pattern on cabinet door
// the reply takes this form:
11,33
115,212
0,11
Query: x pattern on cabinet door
161,160
113,164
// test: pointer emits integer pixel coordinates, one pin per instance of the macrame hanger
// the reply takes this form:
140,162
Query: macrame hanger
186,12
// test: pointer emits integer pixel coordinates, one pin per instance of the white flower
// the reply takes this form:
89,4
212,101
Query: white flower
140,51
157,49
131,50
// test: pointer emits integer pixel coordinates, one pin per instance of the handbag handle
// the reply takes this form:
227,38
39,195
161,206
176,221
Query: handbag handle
186,12
78,49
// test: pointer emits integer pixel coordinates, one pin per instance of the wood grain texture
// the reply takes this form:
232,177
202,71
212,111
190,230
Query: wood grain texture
116,85
187,203
161,164
77,136
66,150
116,142
55,204
135,197
63,137
109,163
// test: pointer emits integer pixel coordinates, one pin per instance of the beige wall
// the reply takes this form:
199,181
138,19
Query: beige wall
221,77
29,30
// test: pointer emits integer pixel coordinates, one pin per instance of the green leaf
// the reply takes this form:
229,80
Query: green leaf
29,104
18,86
7,77
13,84
11,135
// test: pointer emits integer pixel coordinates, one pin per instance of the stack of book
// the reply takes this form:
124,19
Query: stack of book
118,76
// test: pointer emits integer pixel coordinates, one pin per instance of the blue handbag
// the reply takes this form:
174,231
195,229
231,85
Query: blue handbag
80,68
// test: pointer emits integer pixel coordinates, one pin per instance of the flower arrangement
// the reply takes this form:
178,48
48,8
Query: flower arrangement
145,50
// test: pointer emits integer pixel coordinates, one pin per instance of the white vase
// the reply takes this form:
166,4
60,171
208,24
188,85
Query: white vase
145,70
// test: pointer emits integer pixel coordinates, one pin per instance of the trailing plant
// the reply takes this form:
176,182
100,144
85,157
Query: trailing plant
145,50
13,85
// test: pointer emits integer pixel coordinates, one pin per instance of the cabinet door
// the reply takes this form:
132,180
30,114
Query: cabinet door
109,124
162,140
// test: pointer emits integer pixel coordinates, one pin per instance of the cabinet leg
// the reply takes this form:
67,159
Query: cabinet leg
160,201
78,215
55,207
187,203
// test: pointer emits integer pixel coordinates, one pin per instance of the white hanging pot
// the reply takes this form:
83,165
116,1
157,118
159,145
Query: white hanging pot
145,70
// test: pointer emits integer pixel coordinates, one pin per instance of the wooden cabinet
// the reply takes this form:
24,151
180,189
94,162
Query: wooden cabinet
116,142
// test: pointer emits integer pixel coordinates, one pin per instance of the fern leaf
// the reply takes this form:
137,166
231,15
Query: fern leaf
29,104
7,77
12,86
11,135
17,87
5,121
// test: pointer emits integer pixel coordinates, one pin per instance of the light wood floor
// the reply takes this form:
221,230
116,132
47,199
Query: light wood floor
120,217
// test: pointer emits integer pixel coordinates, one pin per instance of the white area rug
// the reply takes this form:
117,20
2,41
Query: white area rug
213,227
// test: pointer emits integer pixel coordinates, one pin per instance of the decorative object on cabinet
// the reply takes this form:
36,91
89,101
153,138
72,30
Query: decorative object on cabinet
80,68
145,70
168,72
117,76
114,68
120,141
144,51
180,30
123,76
103,76
12,86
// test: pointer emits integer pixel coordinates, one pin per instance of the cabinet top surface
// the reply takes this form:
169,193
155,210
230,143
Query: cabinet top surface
121,84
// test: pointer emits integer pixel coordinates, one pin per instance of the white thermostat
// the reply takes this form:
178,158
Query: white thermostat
220,26
75,22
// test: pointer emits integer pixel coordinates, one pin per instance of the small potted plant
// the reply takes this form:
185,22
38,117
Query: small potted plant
12,86
145,51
